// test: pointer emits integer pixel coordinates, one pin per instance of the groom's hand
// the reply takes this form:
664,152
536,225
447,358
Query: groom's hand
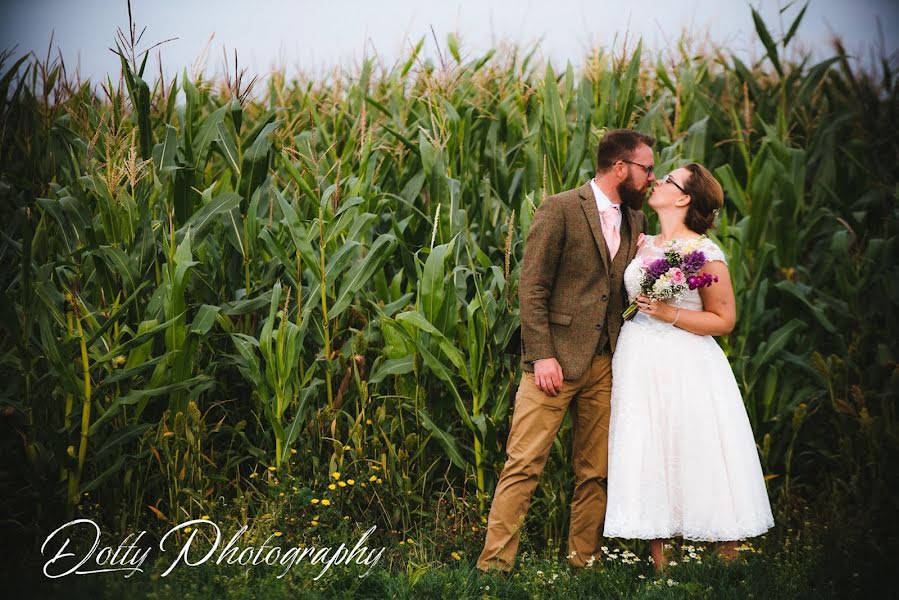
548,376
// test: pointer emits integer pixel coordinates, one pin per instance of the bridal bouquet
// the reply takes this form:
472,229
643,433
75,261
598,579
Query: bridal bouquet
671,276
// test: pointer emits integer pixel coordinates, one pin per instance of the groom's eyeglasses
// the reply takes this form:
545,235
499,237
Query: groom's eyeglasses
647,168
667,179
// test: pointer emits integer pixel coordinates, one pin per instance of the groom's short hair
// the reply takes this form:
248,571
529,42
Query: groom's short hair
619,144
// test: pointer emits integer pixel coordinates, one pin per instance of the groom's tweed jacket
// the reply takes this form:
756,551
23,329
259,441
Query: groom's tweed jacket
570,292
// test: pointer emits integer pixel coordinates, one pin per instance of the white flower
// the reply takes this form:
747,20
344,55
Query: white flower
671,583
641,576
660,286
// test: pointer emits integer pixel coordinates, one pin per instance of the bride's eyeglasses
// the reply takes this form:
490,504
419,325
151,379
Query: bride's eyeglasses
667,179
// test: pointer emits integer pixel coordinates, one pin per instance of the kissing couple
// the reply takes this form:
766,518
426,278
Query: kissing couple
662,445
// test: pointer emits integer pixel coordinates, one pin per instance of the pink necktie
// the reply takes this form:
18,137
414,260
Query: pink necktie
609,231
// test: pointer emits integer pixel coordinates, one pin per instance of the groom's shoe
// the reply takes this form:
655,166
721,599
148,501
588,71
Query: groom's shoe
494,566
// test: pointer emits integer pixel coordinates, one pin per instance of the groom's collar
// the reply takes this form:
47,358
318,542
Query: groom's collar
602,201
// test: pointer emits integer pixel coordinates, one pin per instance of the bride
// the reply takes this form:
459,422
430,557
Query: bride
682,457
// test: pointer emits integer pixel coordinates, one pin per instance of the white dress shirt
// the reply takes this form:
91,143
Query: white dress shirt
603,202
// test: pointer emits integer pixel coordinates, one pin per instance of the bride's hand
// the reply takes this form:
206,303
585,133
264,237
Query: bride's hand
654,308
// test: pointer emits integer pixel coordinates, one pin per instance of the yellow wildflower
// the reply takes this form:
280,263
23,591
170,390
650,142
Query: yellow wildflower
350,482
278,534
293,450
372,478
326,502
456,555
341,483
188,529
336,474
332,487
205,517
272,469
314,501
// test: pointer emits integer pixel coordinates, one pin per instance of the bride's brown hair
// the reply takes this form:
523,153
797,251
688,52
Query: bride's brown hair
706,197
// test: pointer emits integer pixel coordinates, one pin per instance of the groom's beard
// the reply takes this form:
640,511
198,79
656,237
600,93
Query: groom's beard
630,195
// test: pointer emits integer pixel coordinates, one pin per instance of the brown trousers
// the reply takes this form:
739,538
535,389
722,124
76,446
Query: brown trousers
535,422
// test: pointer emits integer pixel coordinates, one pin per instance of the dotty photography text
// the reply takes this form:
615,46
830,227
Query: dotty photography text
129,556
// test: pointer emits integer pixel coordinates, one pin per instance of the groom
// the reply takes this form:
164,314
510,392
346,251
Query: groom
571,295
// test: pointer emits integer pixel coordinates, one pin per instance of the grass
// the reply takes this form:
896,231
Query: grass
535,577
802,557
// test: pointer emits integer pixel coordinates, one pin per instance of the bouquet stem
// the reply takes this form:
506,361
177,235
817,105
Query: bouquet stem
630,311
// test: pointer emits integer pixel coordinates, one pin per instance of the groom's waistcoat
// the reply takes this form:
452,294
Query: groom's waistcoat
617,297
571,293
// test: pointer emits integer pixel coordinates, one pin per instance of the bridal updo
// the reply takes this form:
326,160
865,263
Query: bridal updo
706,197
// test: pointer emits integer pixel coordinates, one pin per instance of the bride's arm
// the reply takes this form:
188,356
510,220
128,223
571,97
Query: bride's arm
720,307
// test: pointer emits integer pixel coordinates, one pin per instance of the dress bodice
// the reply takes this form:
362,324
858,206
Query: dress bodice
649,252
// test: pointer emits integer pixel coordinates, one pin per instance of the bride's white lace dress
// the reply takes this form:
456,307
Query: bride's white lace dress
682,456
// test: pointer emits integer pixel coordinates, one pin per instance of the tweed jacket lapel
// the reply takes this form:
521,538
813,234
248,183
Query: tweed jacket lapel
588,204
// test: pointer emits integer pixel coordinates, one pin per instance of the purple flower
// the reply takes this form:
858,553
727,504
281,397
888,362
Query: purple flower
701,280
657,268
693,261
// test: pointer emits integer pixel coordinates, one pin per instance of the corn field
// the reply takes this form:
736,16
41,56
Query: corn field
210,284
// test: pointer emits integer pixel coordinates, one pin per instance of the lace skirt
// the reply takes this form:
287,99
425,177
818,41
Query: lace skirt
682,456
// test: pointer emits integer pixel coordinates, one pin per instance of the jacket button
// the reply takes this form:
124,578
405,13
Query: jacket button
599,327
605,297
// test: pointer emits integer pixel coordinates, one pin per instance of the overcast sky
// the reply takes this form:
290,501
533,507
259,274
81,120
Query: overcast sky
316,35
